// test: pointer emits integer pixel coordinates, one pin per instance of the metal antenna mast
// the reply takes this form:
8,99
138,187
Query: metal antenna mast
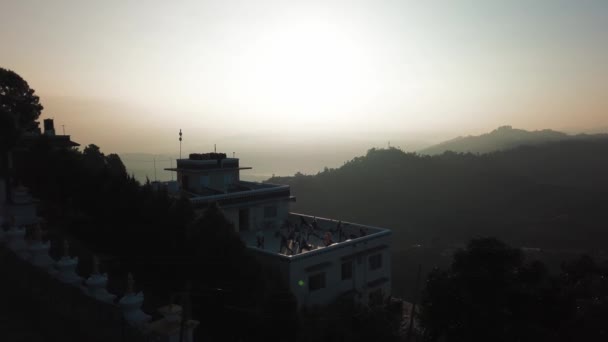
180,143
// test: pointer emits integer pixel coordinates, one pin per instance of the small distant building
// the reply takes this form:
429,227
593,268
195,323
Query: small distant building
321,259
55,140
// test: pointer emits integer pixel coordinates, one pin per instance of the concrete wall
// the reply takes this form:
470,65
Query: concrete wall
232,214
256,215
217,180
259,221
330,262
297,271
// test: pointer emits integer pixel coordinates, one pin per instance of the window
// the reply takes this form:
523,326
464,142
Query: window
347,270
375,262
316,281
205,180
270,212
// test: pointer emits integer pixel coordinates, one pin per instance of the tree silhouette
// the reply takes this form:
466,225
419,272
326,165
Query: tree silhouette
19,108
490,294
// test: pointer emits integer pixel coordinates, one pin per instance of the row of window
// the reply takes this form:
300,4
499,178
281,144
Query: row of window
317,281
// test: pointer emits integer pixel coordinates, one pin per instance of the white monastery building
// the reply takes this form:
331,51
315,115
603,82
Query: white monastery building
320,259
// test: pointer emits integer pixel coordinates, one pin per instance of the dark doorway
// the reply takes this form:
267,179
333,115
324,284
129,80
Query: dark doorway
243,219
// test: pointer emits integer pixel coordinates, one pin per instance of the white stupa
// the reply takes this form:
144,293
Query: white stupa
15,240
131,304
39,252
96,284
66,267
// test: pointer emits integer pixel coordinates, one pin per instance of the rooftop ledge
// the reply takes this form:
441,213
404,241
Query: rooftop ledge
219,169
298,225
252,190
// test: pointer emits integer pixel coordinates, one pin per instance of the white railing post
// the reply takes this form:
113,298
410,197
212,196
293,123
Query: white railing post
39,252
15,240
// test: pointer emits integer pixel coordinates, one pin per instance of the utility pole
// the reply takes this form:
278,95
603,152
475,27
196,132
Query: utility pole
63,128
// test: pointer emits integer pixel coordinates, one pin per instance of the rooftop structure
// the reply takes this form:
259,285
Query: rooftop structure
56,140
212,177
321,259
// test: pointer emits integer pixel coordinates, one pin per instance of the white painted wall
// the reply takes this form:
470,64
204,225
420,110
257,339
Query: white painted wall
256,215
335,286
332,259
232,214
258,221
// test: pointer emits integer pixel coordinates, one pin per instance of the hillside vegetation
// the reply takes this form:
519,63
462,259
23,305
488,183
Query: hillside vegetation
551,195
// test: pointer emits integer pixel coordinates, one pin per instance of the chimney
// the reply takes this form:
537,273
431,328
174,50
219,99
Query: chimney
49,127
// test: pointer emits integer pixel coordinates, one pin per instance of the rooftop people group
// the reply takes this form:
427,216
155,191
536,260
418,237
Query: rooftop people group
296,238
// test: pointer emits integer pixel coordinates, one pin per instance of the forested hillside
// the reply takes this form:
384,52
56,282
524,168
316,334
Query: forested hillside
552,195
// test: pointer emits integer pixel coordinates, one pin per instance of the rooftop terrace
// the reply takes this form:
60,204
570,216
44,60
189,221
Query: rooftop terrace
304,235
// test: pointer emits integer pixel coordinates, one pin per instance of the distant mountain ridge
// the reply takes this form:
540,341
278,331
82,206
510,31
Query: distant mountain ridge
504,138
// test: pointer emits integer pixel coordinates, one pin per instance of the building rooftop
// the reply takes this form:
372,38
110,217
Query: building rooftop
62,141
207,162
241,193
304,235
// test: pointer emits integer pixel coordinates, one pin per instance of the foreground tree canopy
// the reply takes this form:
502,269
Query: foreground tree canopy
490,293
19,108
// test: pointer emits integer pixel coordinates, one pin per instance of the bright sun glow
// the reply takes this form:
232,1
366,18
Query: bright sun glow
312,69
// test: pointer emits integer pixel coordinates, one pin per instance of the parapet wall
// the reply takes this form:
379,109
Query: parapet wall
80,310
62,309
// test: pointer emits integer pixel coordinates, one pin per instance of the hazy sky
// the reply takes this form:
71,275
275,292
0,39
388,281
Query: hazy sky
128,74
